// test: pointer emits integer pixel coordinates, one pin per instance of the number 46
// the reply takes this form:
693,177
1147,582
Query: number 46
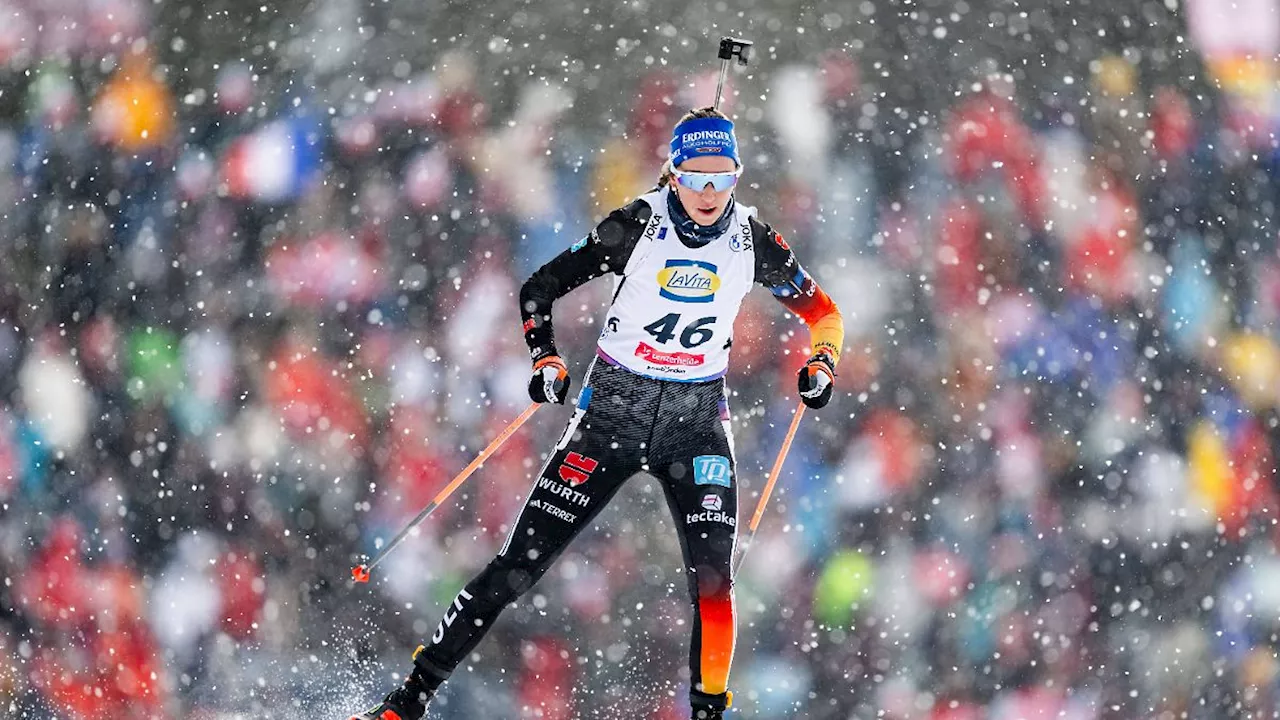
693,335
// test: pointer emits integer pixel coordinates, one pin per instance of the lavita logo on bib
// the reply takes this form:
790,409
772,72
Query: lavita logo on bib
690,281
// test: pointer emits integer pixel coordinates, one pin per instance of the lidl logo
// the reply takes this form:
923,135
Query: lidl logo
691,281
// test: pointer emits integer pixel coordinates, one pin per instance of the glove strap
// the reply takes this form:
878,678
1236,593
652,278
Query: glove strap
825,360
553,360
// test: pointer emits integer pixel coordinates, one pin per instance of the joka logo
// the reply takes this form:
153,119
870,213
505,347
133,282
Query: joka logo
745,229
711,470
576,469
712,501
450,615
691,281
651,229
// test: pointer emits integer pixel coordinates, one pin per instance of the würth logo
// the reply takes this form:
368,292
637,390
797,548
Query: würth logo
576,469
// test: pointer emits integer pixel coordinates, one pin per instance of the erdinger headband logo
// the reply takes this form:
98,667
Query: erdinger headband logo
699,137
690,281
703,136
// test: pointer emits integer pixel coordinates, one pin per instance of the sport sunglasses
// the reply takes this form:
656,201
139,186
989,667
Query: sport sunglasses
697,181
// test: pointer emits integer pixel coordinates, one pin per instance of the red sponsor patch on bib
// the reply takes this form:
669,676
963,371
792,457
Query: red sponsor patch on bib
645,351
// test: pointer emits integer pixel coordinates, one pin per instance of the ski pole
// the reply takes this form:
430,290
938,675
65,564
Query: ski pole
361,572
730,48
768,486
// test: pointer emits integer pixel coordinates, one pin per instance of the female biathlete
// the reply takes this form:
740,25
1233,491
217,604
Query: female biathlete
653,399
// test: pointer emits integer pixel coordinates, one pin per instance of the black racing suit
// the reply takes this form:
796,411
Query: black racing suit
624,423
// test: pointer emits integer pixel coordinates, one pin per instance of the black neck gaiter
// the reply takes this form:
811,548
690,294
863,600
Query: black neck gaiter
691,232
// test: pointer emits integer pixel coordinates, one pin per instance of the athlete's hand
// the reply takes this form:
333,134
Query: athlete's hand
817,380
550,381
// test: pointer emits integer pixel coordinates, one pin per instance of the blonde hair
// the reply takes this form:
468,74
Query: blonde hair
664,178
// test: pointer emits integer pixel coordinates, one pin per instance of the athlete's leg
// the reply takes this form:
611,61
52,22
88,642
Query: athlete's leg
596,455
579,478
575,484
698,475
601,448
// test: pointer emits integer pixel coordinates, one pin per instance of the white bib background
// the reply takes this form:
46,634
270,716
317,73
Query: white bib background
672,318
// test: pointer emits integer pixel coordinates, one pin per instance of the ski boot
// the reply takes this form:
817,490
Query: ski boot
709,707
410,700
403,703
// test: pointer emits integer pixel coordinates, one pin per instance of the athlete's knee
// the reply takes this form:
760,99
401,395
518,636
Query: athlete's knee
712,581
508,577
719,546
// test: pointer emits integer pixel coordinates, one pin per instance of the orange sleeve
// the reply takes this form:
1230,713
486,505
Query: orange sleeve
819,312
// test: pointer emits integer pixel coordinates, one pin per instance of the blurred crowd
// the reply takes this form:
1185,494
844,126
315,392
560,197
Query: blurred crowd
246,335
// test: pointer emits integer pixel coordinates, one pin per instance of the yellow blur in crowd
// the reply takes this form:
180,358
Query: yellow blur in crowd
134,111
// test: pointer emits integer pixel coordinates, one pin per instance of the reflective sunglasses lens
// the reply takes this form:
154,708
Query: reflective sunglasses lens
698,181
724,182
693,181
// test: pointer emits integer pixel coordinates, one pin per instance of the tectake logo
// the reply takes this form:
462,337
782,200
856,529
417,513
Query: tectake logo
690,281
711,501
708,516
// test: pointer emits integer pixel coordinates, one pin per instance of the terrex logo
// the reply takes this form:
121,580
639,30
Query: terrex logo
691,281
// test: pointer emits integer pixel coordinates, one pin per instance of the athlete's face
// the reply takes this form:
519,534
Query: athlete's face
705,206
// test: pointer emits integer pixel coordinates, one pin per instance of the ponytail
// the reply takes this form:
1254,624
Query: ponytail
664,179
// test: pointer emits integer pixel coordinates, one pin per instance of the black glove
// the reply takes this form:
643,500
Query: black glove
817,380
550,381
